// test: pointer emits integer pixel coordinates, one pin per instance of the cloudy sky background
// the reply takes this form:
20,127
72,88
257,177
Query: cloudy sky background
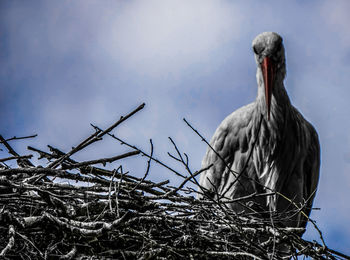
66,64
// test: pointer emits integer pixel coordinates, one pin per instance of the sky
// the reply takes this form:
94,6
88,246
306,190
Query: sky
66,64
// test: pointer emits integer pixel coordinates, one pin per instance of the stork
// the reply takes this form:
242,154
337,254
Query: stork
266,146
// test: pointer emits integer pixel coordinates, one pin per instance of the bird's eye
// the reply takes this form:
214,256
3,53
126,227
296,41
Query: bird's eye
258,49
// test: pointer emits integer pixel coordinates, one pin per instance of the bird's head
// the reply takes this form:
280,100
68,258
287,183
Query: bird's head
269,55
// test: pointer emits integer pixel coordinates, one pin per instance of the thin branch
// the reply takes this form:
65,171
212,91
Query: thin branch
11,242
146,155
16,158
94,137
8,147
20,161
103,161
20,138
147,169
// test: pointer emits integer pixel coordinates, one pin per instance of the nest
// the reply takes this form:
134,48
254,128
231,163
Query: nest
71,209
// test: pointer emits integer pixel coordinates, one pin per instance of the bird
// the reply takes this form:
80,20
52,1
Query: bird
265,147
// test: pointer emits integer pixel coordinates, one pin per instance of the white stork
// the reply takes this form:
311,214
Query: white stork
265,146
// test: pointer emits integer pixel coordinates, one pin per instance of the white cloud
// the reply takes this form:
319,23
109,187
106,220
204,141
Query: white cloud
161,36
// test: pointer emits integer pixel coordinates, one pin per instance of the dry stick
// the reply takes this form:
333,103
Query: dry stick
192,176
91,170
74,150
103,161
300,210
109,194
212,148
147,155
42,154
184,163
250,196
118,189
57,153
16,157
94,137
8,147
236,174
13,152
222,208
19,138
88,169
335,252
204,140
31,243
147,169
52,172
303,213
102,172
11,242
30,170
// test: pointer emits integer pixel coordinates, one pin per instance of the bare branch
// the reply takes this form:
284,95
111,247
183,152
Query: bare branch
94,137
16,158
103,161
11,242
20,138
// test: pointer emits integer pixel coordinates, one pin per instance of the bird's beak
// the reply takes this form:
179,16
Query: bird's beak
268,70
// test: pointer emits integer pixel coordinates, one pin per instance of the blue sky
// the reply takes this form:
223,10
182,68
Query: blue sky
66,64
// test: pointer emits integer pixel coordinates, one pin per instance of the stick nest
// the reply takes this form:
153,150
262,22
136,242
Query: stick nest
70,209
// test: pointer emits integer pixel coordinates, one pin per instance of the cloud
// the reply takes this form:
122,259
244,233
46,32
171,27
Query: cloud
158,37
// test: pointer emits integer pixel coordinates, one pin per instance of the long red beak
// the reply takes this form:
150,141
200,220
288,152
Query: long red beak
268,70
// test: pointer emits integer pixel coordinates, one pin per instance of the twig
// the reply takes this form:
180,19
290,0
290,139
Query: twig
95,137
11,242
306,216
103,161
20,138
147,155
236,174
20,161
147,169
8,147
16,158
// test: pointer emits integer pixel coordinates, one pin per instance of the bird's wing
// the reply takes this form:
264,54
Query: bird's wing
311,171
228,138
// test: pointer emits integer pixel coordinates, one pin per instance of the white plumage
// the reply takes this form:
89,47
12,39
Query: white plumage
265,146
